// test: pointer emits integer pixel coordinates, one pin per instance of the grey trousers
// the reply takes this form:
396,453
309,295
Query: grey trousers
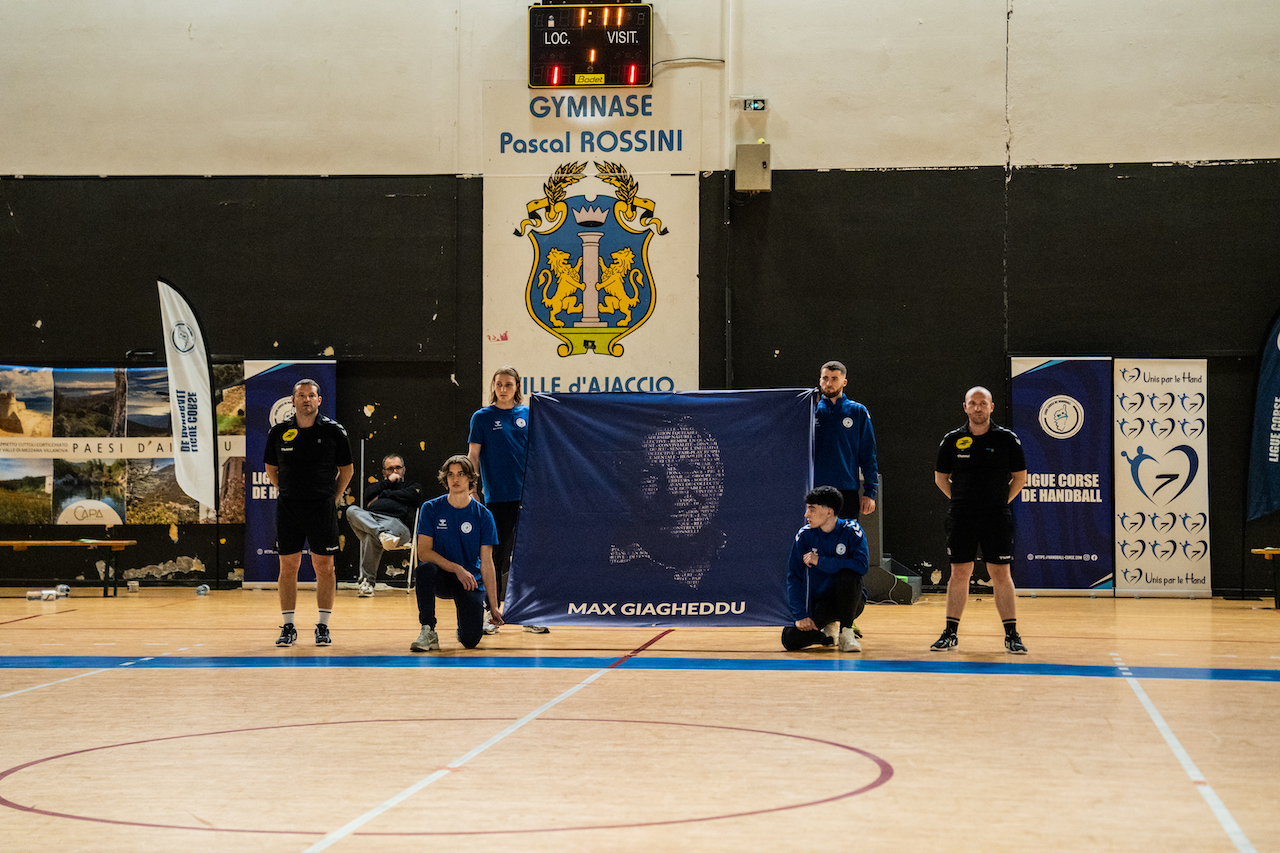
367,525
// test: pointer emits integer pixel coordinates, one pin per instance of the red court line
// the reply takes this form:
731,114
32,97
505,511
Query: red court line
885,773
629,655
37,616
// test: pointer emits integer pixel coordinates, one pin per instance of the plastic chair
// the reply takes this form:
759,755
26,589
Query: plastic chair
413,550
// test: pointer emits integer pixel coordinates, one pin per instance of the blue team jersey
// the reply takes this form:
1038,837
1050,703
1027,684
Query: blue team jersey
845,547
457,534
503,436
843,444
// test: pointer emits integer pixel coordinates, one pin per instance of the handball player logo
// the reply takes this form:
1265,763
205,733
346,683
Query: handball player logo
1132,575
1163,480
183,338
590,284
1130,374
1061,416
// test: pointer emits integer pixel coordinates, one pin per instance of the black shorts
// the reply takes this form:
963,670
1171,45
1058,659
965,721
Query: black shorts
312,522
992,532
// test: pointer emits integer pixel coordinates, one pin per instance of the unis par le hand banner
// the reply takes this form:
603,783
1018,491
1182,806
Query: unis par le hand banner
1162,477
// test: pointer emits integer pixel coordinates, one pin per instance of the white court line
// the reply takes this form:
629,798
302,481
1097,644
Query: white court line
343,832
1219,808
51,683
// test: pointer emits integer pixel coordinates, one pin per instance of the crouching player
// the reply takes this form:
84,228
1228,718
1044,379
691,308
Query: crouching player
456,535
824,576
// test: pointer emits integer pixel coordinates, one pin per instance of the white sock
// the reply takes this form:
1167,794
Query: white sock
288,616
323,618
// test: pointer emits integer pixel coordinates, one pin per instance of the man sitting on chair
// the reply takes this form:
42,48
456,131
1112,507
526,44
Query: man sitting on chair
383,524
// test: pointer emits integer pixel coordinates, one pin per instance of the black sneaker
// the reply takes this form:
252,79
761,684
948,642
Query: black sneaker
1013,644
322,635
946,642
288,635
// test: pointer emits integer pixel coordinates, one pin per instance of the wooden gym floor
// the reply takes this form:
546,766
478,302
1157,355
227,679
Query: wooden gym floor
167,721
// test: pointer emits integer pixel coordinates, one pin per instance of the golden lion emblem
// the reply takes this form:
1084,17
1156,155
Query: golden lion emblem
613,281
568,283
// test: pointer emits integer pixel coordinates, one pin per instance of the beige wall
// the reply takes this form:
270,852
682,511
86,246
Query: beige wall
231,87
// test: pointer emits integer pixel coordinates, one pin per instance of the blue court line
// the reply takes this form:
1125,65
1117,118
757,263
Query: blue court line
641,663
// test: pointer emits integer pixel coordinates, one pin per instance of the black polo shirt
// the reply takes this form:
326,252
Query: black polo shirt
308,458
980,467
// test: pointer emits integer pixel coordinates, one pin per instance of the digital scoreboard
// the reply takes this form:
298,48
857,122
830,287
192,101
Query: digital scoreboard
583,46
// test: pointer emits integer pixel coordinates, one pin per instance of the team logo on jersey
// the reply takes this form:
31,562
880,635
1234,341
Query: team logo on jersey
289,435
841,548
521,422
1061,416
848,423
590,284
466,527
964,442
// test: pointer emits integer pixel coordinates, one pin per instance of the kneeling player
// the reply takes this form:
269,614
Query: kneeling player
456,535
824,576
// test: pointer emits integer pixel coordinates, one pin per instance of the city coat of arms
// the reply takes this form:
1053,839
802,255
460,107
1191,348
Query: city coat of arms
590,284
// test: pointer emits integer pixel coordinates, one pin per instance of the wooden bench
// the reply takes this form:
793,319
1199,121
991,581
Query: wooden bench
114,544
1269,553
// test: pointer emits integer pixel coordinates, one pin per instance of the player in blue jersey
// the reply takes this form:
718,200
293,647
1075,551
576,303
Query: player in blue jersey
844,445
456,536
497,445
824,576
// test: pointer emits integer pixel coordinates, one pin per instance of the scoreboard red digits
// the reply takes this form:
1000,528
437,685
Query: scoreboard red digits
590,46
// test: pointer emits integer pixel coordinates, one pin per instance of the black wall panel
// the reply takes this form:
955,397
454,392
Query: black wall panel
274,266
899,275
924,282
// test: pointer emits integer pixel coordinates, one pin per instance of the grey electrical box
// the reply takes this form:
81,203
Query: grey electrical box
752,170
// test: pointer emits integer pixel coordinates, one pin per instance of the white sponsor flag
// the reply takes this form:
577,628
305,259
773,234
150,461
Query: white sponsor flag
190,397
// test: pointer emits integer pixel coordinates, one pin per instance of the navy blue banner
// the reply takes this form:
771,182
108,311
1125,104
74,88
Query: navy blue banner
268,400
1264,452
661,509
1062,413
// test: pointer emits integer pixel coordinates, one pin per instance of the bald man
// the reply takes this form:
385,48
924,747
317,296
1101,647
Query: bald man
981,469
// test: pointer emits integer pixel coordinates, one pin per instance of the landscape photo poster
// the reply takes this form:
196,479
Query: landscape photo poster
88,446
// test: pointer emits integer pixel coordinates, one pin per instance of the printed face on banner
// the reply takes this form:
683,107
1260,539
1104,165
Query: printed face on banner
590,284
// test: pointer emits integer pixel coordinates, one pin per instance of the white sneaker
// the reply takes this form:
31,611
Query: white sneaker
366,590
848,641
489,627
537,629
832,630
427,641
389,541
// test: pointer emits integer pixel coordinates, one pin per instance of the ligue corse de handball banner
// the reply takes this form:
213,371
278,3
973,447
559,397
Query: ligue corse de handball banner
1062,415
661,509
268,401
